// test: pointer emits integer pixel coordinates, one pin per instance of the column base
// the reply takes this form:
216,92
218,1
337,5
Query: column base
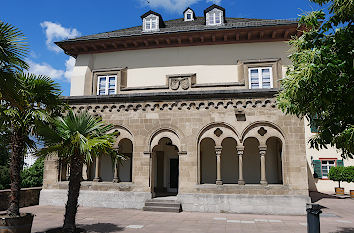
218,182
115,180
241,182
264,182
97,179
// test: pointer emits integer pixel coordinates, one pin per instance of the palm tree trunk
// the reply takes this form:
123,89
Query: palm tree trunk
17,153
75,178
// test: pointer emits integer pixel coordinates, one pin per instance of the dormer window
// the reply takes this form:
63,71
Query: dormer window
188,14
214,15
152,21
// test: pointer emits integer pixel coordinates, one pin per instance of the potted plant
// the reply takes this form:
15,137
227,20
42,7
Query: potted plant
349,177
337,174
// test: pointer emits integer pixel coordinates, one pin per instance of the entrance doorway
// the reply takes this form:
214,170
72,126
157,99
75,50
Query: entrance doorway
165,169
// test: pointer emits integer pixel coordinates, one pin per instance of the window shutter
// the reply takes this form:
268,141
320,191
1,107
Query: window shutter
317,172
340,163
313,125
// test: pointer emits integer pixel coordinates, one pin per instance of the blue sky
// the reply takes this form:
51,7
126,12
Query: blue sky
45,21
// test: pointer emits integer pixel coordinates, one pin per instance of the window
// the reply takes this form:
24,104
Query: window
214,17
151,23
107,85
313,124
321,167
260,77
325,166
188,15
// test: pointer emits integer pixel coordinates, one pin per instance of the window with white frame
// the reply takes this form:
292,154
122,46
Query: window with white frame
260,77
214,17
151,23
107,85
188,15
326,166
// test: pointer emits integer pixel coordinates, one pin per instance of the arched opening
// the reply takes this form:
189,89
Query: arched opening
106,168
251,161
274,161
125,167
229,161
165,168
207,161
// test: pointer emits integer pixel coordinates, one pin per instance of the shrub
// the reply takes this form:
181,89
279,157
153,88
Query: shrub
348,174
33,176
336,174
4,177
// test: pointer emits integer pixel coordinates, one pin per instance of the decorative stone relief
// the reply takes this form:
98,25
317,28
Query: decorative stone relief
262,131
218,132
181,82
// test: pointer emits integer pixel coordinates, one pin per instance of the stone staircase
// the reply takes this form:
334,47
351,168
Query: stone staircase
162,205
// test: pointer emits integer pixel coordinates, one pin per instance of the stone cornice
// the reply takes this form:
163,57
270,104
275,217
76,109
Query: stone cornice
173,96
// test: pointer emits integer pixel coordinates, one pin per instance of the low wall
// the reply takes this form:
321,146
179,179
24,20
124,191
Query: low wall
106,199
206,202
28,197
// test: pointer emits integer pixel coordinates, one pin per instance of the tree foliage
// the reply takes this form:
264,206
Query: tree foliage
33,176
320,83
77,139
13,50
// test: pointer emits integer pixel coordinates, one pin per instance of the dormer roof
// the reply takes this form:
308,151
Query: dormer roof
150,12
213,7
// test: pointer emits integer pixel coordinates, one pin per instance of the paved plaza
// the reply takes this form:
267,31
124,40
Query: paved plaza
338,216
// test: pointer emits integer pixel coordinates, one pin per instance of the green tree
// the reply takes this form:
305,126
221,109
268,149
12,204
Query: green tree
320,83
38,96
13,50
33,176
77,139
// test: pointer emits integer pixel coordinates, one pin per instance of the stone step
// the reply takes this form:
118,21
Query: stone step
162,209
162,204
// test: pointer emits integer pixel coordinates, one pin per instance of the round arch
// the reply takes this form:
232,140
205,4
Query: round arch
262,131
218,131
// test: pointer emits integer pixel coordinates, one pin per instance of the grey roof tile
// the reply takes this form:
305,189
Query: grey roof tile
178,25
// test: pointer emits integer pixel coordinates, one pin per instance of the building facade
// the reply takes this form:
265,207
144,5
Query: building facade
194,102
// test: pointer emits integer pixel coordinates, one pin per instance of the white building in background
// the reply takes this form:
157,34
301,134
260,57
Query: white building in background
29,159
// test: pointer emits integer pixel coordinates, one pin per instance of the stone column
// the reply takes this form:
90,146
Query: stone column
262,153
97,171
85,172
240,150
218,150
116,171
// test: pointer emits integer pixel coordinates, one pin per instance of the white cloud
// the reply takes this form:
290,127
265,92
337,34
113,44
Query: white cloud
69,65
214,1
48,70
56,32
170,5
173,5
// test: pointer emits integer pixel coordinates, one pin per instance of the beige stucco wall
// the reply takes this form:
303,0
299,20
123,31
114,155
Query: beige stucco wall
324,185
149,67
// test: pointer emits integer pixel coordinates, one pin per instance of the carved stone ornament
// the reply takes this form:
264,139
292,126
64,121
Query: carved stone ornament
175,83
218,132
262,131
185,83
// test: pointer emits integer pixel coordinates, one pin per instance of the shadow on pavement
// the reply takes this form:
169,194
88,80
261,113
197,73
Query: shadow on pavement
316,196
97,227
345,230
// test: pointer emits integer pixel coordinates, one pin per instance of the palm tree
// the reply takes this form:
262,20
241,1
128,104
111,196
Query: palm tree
77,139
13,49
38,96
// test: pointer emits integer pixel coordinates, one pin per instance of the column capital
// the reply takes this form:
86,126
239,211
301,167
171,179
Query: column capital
262,148
218,150
240,150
